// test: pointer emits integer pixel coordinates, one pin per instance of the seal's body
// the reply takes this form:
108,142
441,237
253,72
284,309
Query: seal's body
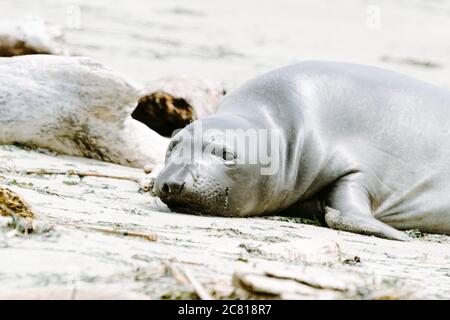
369,148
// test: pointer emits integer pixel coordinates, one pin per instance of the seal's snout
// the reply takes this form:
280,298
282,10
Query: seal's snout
185,193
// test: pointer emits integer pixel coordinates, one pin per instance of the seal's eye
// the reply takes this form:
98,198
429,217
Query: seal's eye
172,146
227,156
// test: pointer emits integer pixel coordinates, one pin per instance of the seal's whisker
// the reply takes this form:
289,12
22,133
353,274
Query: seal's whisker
227,192
181,188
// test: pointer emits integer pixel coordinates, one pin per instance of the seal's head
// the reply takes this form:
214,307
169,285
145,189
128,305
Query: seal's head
206,174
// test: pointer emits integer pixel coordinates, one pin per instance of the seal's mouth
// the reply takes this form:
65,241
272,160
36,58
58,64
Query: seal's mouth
201,195
182,208
214,204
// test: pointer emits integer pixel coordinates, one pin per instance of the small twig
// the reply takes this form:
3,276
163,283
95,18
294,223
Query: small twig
198,287
147,236
80,174
176,273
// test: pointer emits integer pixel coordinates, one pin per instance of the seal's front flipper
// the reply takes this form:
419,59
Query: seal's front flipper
363,225
348,208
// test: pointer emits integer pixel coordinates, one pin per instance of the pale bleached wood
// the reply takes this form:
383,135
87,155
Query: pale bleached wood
74,106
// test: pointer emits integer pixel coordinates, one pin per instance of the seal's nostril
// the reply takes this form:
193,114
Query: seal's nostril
171,188
165,188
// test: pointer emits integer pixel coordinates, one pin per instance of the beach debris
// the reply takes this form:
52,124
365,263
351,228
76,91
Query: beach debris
74,106
164,113
176,273
198,287
12,204
303,250
315,282
184,276
80,174
116,231
31,35
172,102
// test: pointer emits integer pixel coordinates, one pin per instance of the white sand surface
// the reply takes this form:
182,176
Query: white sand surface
230,42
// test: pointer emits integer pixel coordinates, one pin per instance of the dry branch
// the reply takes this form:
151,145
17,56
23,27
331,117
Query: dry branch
80,174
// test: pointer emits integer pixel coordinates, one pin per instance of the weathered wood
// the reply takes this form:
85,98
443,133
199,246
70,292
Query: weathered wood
74,106
31,35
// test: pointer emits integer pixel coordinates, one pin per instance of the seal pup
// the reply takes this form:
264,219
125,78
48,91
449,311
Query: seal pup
366,148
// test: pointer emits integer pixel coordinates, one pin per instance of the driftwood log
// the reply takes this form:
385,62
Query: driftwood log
31,35
74,106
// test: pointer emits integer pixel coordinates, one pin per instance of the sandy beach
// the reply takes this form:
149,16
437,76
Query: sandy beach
102,237
233,41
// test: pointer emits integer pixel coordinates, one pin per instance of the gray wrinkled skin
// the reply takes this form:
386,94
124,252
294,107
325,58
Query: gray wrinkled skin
366,148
